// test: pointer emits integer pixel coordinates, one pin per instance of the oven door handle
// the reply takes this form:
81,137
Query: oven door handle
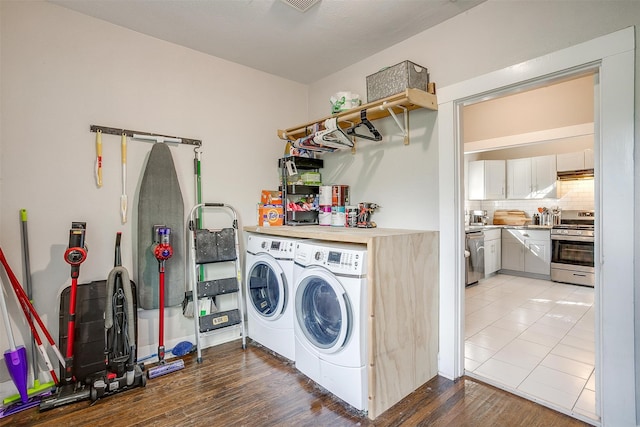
572,238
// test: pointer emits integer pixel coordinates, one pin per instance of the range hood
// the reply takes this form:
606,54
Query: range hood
576,174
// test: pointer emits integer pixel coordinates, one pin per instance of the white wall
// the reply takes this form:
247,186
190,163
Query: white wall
62,72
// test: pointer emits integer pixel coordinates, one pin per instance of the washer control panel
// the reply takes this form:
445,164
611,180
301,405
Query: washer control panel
277,248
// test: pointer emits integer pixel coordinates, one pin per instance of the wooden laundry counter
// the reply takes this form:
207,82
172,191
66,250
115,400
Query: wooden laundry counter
402,305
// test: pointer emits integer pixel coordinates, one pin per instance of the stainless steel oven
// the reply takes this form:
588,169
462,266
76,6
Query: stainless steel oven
572,249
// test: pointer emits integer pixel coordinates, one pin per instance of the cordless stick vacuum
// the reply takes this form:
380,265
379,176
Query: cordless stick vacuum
162,251
70,390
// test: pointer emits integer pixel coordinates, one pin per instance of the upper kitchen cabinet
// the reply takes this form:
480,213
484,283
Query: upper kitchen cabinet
486,180
532,177
578,160
518,178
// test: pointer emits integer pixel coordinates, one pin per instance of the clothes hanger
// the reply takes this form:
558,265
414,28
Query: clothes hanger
375,135
332,136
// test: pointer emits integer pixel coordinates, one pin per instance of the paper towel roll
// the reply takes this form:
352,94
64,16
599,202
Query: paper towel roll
325,195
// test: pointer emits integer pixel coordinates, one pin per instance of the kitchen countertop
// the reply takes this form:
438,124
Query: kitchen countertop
511,227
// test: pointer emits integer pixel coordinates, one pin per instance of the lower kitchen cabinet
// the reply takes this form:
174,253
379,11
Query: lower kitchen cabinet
526,251
492,251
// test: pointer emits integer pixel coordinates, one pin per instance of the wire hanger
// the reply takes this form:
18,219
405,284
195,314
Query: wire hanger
332,136
375,135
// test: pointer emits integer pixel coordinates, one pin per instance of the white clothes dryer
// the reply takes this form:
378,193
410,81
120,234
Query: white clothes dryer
330,320
269,290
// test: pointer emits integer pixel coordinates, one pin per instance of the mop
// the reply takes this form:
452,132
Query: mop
163,251
38,387
31,315
15,358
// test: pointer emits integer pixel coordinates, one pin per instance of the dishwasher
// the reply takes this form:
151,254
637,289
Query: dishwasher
474,257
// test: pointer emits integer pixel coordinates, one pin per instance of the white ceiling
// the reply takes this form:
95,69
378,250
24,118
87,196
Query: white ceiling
272,36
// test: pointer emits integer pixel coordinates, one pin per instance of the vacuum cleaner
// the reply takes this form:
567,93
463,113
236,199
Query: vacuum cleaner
121,370
162,251
69,390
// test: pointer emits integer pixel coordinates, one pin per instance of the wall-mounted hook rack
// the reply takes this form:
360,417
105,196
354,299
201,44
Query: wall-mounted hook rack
145,136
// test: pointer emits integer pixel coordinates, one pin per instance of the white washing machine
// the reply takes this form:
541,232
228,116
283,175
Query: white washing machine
269,290
330,320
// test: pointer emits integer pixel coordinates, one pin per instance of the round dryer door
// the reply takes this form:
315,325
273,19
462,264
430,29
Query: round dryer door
267,287
323,311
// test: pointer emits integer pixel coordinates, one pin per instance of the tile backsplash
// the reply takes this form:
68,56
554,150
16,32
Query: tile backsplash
572,195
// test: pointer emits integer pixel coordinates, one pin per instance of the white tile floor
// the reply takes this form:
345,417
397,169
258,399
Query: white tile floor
535,338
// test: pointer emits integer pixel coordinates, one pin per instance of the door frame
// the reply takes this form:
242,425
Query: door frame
614,56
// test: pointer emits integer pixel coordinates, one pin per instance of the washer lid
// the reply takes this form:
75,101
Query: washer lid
323,311
266,287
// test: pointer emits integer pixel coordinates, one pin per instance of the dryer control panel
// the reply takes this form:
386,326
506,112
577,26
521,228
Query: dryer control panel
339,260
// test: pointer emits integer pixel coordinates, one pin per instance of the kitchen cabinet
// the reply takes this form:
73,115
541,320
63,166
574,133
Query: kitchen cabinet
518,178
578,160
402,305
492,250
526,251
486,180
532,177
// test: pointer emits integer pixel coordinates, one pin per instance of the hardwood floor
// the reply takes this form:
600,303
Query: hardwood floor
252,387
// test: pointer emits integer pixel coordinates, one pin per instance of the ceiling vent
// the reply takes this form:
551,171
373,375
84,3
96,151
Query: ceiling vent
300,5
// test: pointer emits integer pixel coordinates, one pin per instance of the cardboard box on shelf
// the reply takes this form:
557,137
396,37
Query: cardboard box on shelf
271,197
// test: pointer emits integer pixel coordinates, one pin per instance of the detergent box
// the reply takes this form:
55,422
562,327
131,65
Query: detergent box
270,215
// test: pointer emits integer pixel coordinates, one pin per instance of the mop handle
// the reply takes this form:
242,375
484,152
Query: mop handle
34,331
5,317
25,242
38,340
28,284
